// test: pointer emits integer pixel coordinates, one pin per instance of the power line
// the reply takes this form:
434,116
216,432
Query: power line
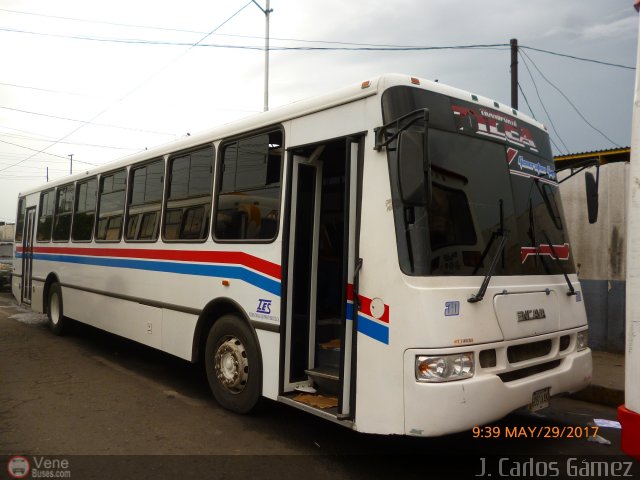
574,57
44,139
178,30
570,102
42,89
256,47
543,106
526,100
57,117
91,120
38,151
355,47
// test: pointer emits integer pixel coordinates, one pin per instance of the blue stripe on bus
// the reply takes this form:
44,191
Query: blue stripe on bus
349,311
373,329
223,271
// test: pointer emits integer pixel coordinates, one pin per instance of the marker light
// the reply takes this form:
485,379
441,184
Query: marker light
583,340
444,368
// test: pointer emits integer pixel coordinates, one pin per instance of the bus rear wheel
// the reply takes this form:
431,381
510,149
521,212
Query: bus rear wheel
233,364
57,321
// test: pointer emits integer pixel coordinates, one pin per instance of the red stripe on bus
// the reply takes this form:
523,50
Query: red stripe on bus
365,305
239,258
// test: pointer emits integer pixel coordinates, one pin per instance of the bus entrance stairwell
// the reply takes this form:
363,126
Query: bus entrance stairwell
27,255
321,258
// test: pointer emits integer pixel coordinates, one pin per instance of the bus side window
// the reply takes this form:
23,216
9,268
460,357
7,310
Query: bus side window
188,203
45,216
85,210
248,194
20,219
111,206
143,209
63,211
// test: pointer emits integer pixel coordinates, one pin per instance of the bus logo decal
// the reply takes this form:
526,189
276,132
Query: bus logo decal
451,308
561,250
264,306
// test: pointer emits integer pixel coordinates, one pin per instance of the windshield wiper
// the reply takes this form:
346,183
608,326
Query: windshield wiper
500,232
571,291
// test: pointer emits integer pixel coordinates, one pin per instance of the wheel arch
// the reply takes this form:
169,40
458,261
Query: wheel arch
51,279
215,309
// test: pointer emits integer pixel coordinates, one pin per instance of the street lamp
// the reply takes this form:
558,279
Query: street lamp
266,12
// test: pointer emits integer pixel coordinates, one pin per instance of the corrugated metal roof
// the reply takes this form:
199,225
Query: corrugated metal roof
605,156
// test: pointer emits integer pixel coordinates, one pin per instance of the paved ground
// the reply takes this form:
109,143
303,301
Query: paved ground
92,393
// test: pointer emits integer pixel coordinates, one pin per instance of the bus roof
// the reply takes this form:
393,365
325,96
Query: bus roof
376,85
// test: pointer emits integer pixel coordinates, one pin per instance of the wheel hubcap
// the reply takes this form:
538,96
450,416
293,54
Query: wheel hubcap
231,365
54,308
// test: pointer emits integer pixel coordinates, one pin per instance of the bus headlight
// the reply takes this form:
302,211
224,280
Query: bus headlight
582,342
444,368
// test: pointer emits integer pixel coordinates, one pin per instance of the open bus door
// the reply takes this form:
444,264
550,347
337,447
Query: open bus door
322,264
27,255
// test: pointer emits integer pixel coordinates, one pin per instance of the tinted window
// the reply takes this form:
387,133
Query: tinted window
45,217
111,206
248,199
189,195
20,219
64,208
85,211
147,183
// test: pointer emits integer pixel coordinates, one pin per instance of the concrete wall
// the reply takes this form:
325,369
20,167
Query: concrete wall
7,233
599,252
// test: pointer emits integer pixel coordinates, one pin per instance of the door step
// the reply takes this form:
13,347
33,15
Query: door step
326,373
326,378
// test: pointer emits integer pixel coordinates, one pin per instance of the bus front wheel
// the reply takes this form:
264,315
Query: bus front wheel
54,309
233,364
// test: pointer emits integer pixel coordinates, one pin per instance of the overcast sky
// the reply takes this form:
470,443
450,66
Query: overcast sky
155,92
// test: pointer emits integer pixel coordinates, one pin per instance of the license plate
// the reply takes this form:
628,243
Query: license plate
540,399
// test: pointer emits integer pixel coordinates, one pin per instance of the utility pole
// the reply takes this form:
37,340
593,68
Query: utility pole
47,174
266,12
514,73
70,164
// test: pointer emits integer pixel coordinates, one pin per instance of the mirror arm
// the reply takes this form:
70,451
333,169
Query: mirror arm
381,132
580,167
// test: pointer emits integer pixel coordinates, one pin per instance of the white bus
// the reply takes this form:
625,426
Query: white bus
391,257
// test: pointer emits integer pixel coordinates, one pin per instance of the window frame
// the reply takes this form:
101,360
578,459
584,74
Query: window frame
96,221
78,183
165,164
55,211
19,233
37,232
167,184
218,184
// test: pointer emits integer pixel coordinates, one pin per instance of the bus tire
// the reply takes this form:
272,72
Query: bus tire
233,364
57,321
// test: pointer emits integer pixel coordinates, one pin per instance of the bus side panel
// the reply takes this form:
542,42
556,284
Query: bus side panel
132,320
177,333
379,404
270,348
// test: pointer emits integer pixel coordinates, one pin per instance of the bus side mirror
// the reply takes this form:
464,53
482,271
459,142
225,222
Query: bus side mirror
592,196
414,170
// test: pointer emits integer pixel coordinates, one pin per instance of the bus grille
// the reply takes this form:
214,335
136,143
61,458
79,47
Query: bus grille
527,351
527,372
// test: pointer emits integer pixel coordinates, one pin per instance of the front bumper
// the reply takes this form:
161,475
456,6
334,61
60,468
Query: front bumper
440,408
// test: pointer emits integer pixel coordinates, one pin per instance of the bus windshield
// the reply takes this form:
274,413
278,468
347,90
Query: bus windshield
491,176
